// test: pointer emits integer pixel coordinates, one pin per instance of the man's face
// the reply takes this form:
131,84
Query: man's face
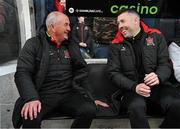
63,3
62,28
126,24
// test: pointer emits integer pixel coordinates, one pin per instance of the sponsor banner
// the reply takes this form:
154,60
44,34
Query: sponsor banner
110,8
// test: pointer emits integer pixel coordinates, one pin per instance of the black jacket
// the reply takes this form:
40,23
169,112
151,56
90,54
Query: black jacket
155,58
32,67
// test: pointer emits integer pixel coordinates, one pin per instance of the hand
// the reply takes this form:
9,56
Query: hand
100,103
143,90
151,79
31,109
82,44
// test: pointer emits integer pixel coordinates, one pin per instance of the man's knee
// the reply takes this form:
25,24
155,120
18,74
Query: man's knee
35,123
170,102
175,104
137,107
87,110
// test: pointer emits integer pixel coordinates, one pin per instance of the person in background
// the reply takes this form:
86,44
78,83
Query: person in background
174,53
60,5
104,30
42,9
82,35
138,64
2,16
9,31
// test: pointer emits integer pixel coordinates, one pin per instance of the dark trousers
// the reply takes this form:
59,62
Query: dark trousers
81,107
166,97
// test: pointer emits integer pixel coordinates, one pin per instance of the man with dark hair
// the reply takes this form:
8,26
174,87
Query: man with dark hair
139,65
51,74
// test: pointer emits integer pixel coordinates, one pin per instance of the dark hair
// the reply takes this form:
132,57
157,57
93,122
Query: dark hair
131,11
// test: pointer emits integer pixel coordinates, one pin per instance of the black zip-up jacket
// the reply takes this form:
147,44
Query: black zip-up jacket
121,62
32,67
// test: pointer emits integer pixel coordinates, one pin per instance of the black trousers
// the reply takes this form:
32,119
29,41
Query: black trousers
166,97
81,107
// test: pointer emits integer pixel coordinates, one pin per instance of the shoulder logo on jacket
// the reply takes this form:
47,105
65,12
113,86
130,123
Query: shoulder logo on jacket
123,48
150,41
66,54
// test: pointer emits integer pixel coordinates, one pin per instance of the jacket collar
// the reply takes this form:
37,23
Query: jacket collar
119,37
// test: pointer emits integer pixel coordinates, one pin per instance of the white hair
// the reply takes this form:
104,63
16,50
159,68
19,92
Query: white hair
52,18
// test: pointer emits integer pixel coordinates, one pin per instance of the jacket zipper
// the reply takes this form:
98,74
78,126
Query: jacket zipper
133,58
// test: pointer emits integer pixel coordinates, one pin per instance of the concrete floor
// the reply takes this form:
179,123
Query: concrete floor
98,123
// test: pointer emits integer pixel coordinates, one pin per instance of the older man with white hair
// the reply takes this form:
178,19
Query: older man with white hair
51,74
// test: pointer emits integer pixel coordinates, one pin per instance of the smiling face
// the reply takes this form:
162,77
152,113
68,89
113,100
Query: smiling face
128,24
62,28
58,25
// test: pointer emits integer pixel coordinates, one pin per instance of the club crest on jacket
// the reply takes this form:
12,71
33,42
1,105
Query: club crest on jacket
150,41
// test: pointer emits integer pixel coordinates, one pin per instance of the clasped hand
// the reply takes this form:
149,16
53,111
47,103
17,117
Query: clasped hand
150,80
